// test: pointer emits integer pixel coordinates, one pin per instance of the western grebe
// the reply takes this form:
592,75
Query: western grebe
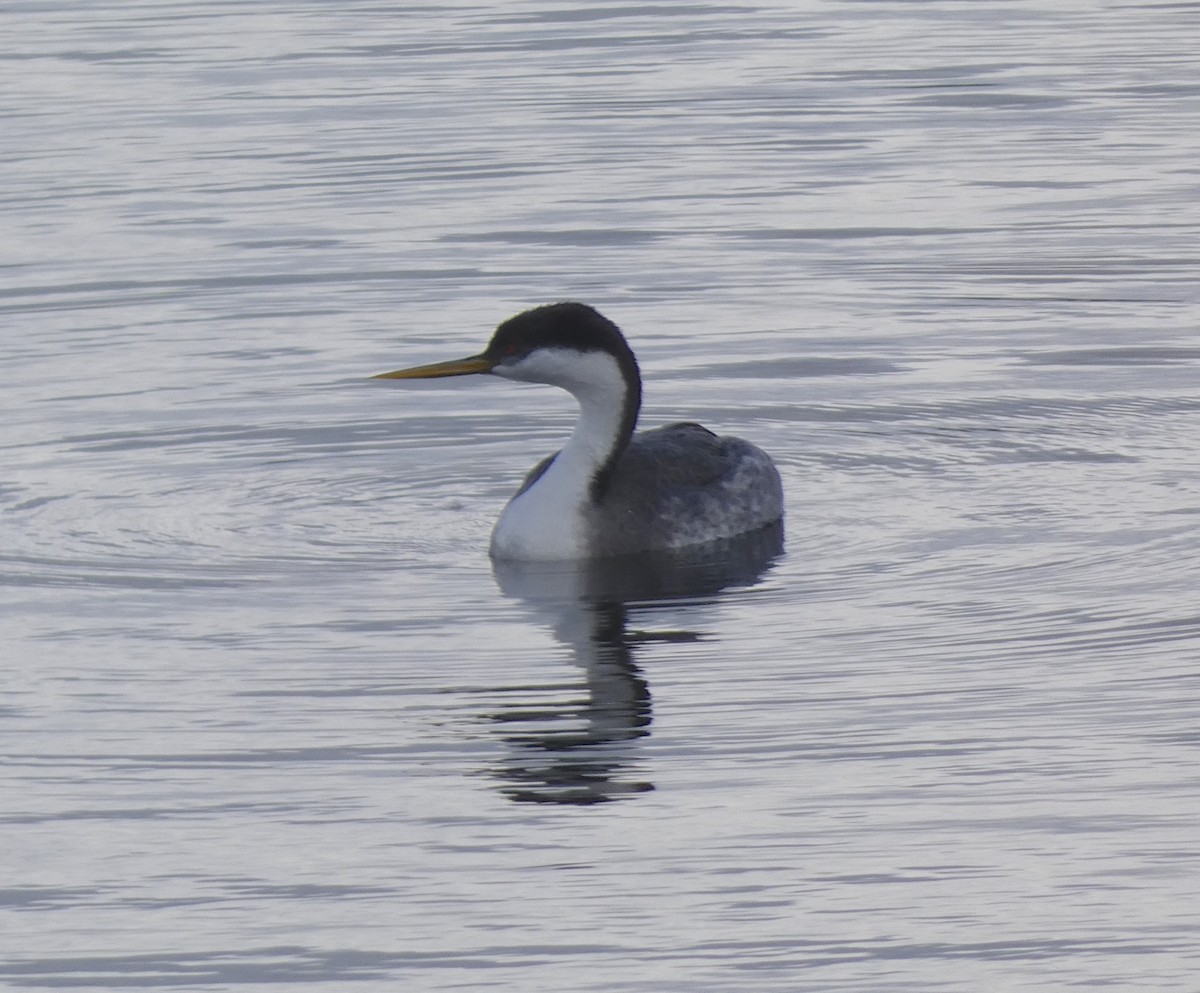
609,491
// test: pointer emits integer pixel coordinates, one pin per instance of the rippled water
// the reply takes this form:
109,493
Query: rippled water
273,721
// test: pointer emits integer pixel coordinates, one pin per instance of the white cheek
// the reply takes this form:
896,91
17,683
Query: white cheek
542,366
564,367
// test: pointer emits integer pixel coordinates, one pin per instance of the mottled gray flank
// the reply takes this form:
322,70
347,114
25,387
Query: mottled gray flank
680,485
683,485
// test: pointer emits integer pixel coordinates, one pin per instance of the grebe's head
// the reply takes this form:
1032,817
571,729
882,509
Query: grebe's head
570,345
566,344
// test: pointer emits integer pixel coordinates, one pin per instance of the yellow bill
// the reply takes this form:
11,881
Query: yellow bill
458,367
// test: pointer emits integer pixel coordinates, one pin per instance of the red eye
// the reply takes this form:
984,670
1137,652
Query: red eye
510,349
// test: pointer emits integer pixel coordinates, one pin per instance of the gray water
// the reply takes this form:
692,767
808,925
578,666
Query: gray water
271,719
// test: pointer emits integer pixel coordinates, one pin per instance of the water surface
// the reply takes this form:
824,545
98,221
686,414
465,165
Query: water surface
274,721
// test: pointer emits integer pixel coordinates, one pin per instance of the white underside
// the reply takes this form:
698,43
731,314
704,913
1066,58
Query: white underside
547,521
544,522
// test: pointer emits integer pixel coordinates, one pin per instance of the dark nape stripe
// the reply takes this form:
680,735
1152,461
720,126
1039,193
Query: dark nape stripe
630,407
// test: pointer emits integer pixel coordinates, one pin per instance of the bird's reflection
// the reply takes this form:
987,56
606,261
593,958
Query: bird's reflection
585,750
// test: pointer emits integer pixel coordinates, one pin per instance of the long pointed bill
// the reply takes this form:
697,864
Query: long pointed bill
459,367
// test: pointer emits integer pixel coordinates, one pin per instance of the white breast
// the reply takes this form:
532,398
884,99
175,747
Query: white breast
544,522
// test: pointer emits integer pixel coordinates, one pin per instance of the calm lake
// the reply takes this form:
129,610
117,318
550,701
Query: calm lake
273,720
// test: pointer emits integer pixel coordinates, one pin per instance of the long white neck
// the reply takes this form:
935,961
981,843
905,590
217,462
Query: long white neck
548,520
